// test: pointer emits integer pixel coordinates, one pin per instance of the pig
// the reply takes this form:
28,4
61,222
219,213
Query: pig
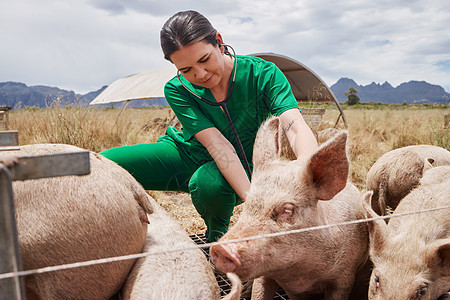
286,195
168,274
411,254
398,171
69,219
172,274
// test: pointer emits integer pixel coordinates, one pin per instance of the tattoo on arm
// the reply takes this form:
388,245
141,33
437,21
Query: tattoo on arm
289,125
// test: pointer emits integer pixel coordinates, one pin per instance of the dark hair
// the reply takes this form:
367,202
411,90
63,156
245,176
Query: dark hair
184,28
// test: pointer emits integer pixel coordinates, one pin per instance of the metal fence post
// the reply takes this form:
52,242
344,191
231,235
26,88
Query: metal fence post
10,260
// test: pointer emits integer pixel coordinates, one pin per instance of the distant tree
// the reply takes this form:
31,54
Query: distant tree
351,96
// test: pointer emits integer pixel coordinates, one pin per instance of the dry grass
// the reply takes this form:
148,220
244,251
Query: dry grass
374,132
371,133
95,129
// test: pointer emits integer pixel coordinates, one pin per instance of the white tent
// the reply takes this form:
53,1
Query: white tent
147,85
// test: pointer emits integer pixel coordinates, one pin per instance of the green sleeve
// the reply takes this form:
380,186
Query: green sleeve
277,90
186,109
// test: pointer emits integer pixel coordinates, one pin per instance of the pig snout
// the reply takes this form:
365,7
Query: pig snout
225,257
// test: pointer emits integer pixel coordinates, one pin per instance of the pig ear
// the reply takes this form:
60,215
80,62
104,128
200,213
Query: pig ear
428,164
378,230
267,142
328,167
367,197
438,256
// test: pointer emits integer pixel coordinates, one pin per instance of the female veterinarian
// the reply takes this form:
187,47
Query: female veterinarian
220,98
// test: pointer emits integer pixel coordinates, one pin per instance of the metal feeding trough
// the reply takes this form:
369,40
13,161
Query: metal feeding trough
222,279
313,116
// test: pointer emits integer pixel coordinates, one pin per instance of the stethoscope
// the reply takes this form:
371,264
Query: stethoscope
223,105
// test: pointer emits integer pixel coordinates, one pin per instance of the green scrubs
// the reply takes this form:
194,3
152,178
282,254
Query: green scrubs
178,162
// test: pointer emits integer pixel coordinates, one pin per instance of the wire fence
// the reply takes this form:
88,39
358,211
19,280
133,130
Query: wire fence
207,245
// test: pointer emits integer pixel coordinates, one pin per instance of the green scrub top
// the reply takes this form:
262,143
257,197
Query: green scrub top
260,89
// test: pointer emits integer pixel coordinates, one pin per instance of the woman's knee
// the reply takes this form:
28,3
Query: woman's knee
209,185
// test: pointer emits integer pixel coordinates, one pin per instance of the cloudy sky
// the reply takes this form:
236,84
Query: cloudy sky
81,45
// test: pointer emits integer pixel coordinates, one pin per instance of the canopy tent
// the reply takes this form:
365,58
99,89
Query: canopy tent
306,85
147,85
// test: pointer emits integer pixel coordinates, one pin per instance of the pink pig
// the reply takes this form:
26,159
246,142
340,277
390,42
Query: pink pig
411,255
288,195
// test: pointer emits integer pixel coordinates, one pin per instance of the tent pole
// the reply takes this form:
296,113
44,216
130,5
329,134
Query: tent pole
340,115
123,108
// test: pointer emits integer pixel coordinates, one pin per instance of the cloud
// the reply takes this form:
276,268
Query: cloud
162,8
76,47
444,65
113,7
83,45
376,43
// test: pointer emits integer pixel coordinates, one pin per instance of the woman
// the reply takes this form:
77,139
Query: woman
205,158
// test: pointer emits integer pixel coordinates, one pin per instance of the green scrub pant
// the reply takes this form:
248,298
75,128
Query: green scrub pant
162,166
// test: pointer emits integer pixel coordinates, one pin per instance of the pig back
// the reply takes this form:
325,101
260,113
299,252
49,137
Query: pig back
432,192
398,171
70,219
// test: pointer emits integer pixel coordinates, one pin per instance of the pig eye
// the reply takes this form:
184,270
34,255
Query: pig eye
375,284
421,292
377,281
284,212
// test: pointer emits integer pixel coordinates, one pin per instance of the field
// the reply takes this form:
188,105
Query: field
373,130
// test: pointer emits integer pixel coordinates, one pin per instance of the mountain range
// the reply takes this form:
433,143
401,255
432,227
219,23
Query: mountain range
18,95
412,92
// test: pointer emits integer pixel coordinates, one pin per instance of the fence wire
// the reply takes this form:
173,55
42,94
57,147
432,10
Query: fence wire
207,245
